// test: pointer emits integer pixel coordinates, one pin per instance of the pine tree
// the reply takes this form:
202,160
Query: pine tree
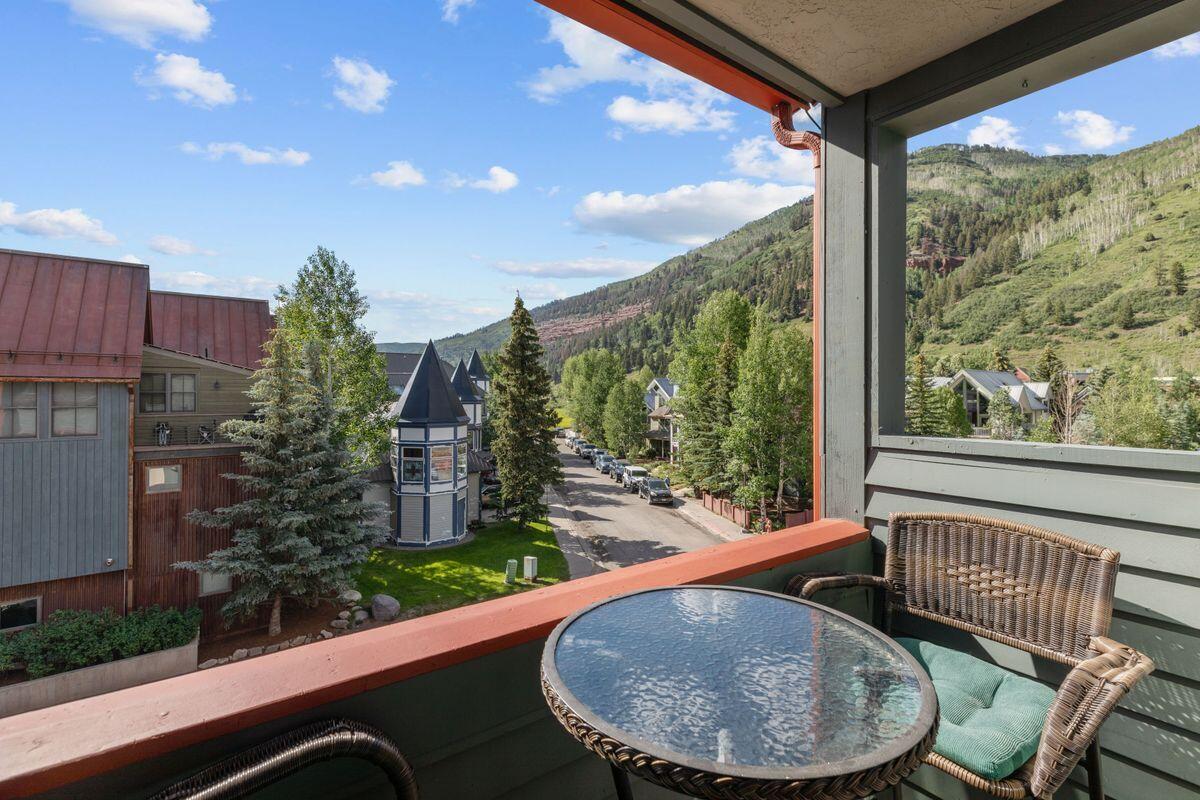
524,421
1178,279
924,417
302,527
955,423
625,422
1125,314
1000,361
324,305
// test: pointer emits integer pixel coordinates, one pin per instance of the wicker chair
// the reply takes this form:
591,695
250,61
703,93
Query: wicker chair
1029,588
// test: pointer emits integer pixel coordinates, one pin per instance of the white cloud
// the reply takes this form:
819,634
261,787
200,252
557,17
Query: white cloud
451,9
676,103
142,21
190,82
673,116
687,215
398,175
1180,48
406,315
540,292
54,223
763,157
204,283
174,246
130,258
250,156
1054,149
361,86
498,180
576,268
1092,131
997,132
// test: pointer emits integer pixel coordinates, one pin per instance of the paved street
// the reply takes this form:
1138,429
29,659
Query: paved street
617,528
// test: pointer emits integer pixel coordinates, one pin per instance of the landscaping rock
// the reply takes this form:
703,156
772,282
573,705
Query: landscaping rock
385,608
343,615
299,640
222,661
326,634
340,624
272,648
361,616
212,662
356,608
239,654
351,596
255,651
285,644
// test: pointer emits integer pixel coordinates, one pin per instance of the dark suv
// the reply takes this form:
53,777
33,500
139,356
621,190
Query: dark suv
656,490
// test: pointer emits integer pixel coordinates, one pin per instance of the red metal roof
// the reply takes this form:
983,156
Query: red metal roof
232,330
66,317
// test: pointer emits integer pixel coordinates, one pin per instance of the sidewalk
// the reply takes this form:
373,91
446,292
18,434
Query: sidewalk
581,560
715,524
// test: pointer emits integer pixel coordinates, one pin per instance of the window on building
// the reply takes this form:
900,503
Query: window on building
19,614
152,393
462,461
183,393
413,465
73,409
18,410
441,463
163,479
215,583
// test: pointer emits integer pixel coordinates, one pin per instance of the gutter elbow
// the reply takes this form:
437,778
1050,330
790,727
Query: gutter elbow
787,135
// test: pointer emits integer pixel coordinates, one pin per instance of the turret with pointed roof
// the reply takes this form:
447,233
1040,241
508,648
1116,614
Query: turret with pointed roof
429,397
467,391
478,372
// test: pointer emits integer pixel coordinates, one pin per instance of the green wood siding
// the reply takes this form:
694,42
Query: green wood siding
220,395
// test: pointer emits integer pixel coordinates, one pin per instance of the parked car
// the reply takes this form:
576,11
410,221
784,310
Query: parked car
582,445
604,464
596,453
656,490
585,450
632,476
616,468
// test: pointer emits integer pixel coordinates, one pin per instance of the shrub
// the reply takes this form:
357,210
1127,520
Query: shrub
70,640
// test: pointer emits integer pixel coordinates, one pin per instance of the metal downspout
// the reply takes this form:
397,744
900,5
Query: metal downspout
787,135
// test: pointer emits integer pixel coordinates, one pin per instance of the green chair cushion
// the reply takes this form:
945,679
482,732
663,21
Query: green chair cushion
991,719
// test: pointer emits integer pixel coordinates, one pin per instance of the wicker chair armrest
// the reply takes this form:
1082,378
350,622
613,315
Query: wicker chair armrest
1086,698
805,586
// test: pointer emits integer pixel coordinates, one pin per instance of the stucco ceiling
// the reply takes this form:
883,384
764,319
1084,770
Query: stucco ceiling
851,45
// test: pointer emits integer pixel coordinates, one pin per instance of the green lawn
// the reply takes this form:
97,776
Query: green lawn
434,580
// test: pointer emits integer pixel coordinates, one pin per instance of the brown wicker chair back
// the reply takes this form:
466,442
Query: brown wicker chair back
1025,587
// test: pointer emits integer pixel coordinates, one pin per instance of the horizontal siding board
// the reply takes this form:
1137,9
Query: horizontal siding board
1150,499
1165,549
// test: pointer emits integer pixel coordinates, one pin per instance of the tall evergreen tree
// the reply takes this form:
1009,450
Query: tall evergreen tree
1000,361
955,423
302,527
625,421
524,420
1178,278
324,305
924,416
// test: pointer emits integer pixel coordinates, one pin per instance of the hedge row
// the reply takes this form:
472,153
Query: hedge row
70,640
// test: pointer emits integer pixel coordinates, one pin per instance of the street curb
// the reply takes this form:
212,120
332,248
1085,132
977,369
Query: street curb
717,526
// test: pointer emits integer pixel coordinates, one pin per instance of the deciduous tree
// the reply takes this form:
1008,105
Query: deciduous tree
625,421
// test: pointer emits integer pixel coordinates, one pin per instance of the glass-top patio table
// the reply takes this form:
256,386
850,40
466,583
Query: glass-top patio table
722,692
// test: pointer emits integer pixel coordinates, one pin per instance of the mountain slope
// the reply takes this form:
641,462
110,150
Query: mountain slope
1002,245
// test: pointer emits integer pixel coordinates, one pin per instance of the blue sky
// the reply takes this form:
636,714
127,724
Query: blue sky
453,151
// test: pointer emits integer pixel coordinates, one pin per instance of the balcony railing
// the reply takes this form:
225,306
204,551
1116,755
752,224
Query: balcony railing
458,691
182,430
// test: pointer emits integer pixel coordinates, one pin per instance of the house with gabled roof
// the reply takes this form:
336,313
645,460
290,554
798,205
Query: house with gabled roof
979,388
662,431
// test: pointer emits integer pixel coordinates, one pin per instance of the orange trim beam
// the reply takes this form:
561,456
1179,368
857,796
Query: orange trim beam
56,746
614,19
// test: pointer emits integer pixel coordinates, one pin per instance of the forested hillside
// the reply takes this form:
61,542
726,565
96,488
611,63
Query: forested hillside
1098,255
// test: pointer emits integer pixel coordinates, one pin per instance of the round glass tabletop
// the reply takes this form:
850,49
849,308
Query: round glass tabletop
740,682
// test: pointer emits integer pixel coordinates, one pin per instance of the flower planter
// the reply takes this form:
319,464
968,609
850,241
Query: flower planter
98,679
